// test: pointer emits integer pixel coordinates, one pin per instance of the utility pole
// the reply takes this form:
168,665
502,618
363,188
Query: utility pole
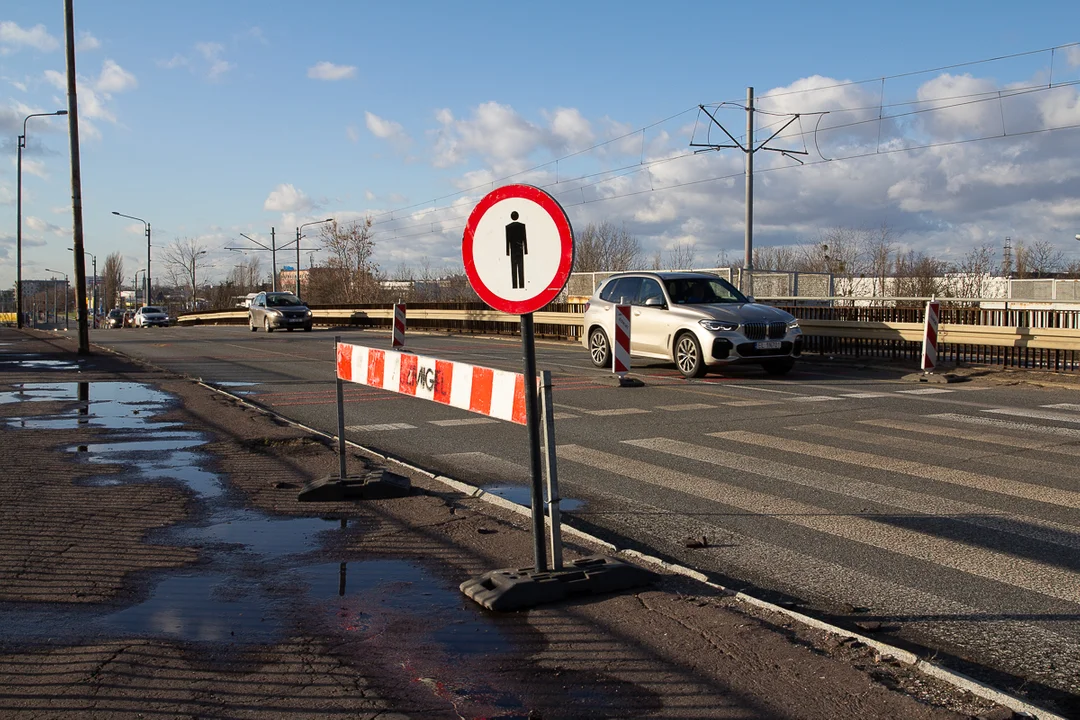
76,180
749,150
273,253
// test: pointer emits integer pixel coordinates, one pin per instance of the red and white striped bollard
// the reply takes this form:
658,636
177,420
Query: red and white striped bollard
399,326
930,336
620,348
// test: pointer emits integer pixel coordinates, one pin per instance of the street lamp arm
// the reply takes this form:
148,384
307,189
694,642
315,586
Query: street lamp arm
130,217
58,112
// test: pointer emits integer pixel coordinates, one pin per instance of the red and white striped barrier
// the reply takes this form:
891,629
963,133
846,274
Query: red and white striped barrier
620,348
399,326
930,336
496,393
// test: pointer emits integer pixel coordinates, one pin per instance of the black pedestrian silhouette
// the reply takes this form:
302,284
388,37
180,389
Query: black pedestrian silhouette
517,248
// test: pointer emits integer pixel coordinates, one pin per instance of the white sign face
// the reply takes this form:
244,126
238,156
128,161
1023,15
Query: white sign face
516,249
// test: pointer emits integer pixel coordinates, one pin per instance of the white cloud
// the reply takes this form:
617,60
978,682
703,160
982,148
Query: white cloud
369,196
352,133
87,42
34,167
287,198
115,79
385,129
206,59
211,52
1073,55
18,85
40,226
329,71
13,38
7,197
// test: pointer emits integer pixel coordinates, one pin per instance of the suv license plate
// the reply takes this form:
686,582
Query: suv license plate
768,345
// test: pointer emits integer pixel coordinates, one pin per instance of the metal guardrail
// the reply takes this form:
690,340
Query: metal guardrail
1040,347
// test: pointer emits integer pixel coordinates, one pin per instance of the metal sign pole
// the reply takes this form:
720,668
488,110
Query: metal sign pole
532,419
552,474
342,470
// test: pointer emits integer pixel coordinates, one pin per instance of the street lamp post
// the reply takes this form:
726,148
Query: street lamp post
193,285
147,270
273,254
298,236
67,316
93,259
18,214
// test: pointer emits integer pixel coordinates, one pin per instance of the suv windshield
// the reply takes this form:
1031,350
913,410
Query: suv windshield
702,291
146,310
282,300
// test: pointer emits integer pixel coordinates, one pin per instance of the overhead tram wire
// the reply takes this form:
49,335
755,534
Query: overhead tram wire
739,174
911,73
481,186
990,96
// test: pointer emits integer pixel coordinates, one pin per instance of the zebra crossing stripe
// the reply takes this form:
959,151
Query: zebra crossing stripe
991,565
1022,442
380,427
1008,425
924,391
1063,406
932,505
1035,414
963,478
496,393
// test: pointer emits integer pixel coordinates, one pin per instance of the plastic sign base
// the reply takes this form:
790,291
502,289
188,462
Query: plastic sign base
517,589
376,485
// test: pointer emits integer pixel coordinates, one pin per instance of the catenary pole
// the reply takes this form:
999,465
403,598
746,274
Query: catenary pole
76,180
748,249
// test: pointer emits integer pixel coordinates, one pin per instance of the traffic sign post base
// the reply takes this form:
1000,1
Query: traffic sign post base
375,485
518,589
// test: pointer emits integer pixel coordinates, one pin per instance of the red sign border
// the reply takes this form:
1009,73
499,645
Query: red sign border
566,237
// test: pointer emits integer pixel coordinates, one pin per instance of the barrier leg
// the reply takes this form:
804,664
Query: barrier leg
550,459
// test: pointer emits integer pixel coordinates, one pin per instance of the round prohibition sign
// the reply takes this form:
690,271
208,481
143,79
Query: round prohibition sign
518,249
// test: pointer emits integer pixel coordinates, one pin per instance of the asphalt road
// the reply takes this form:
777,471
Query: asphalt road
946,516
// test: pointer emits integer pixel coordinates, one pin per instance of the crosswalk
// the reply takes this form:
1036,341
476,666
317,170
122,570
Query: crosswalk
960,528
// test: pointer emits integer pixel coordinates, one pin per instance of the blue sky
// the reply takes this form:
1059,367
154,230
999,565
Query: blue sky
213,118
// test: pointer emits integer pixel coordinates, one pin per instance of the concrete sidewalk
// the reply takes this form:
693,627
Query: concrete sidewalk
154,561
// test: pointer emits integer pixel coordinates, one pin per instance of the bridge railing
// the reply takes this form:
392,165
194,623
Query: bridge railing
970,331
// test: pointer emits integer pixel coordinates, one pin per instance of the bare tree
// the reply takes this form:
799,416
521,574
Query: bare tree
919,275
351,276
879,253
1044,259
112,280
972,274
778,257
681,256
180,263
606,247
1021,257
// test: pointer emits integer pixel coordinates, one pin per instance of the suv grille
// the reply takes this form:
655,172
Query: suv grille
761,331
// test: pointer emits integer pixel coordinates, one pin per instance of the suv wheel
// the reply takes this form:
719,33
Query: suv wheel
688,356
599,348
266,325
779,367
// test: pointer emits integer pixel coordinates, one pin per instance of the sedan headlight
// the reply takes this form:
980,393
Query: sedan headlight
275,313
793,325
718,325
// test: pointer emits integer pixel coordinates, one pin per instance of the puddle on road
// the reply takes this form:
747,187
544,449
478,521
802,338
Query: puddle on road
254,582
523,496
34,361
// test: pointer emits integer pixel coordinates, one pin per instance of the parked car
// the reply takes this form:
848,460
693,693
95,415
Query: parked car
150,316
119,318
697,320
273,310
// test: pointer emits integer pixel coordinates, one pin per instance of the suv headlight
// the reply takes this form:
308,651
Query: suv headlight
793,325
308,313
718,325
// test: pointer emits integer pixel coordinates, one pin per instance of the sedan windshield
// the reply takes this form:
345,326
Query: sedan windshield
147,310
702,291
283,300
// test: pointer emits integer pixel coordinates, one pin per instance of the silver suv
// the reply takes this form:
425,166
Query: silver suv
697,320
273,310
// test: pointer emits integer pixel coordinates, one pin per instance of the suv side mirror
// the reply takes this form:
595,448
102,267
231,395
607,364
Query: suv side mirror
655,302
750,299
